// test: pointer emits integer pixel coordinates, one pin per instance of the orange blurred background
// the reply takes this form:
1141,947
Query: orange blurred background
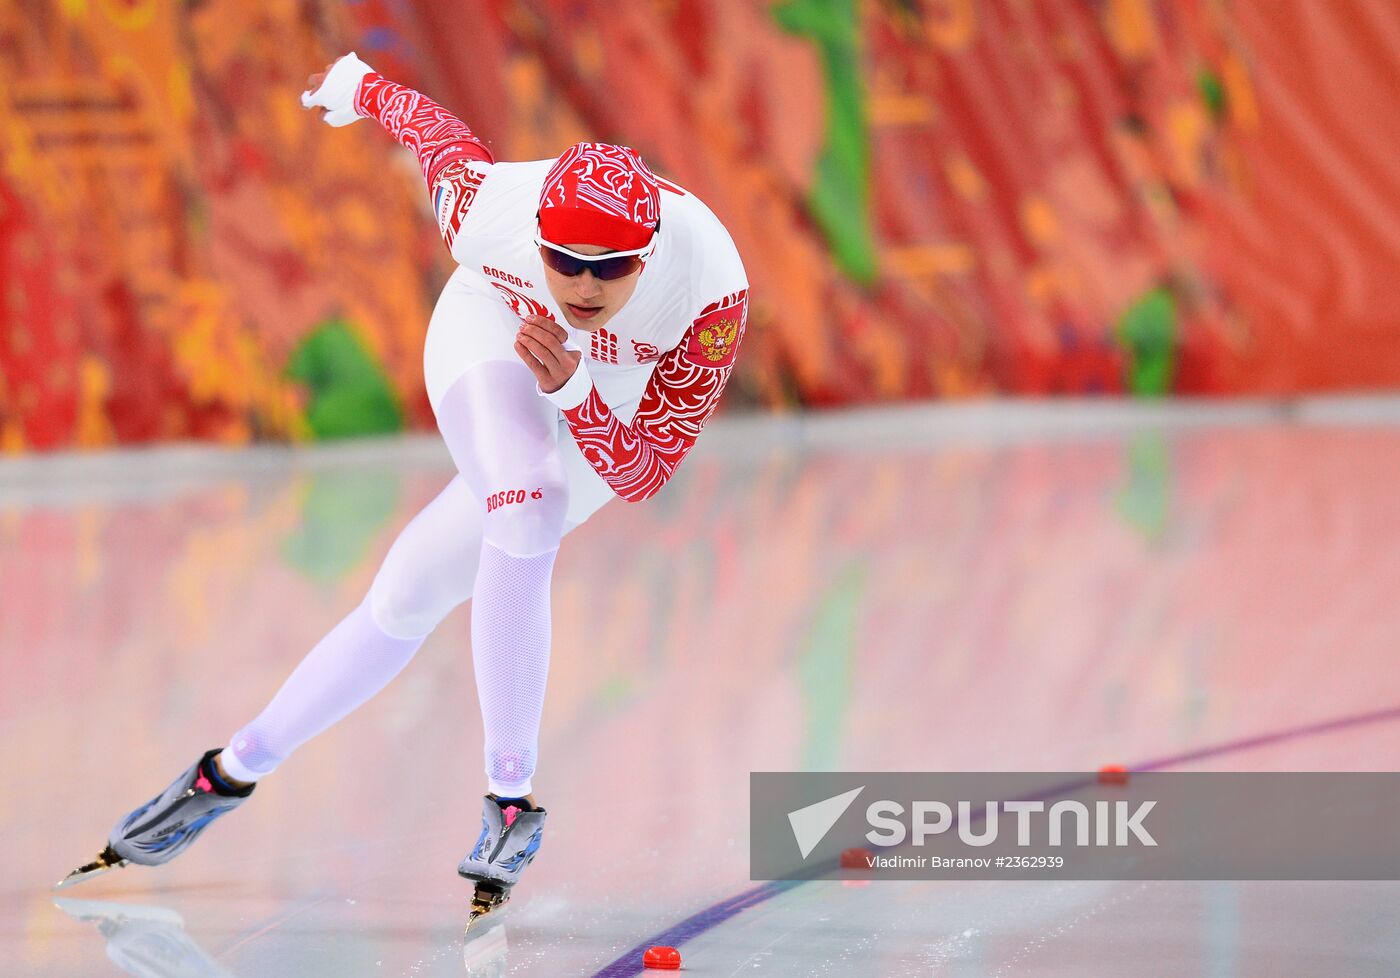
934,198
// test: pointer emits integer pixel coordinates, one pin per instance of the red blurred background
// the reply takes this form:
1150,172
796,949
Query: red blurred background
934,198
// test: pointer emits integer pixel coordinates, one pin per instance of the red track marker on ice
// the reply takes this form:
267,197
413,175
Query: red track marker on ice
662,958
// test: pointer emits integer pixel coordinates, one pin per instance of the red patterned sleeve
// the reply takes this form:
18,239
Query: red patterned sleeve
443,144
637,459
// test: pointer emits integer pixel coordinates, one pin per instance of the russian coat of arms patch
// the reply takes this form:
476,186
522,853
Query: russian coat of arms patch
714,336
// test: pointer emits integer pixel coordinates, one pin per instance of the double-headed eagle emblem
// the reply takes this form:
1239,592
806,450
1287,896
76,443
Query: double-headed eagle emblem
717,339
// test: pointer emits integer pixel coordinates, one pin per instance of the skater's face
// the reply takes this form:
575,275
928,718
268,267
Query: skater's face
587,300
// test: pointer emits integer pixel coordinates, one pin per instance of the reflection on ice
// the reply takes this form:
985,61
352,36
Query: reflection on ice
145,941
795,600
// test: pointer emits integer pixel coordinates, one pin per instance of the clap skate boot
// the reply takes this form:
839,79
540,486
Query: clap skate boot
510,837
165,826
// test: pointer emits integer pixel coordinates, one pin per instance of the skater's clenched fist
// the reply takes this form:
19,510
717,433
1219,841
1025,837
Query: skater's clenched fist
540,345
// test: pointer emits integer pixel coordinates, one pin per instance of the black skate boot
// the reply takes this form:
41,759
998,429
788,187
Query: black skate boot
510,837
165,826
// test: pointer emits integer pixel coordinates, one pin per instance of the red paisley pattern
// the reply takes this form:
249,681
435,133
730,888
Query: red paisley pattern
520,304
637,459
611,179
436,136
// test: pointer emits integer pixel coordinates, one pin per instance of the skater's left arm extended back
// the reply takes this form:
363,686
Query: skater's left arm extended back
454,161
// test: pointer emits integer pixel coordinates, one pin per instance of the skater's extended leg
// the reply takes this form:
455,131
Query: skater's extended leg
429,571
355,660
503,437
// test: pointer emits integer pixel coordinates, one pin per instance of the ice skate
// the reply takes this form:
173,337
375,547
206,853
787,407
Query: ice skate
165,826
510,837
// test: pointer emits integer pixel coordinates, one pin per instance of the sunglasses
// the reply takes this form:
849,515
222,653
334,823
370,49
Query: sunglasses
614,265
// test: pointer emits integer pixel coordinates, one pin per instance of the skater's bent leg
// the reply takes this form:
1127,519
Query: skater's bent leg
503,437
510,653
428,572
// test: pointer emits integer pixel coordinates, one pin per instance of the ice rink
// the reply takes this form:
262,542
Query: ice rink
1026,587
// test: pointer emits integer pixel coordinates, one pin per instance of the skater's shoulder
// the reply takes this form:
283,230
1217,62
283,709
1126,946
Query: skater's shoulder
517,176
697,244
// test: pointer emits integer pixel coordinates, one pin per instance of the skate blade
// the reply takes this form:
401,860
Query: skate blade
486,902
106,860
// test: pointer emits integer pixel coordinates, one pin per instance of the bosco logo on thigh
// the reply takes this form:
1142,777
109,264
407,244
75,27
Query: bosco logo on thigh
509,497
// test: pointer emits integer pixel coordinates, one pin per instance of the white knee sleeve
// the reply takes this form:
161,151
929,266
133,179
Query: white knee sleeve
529,519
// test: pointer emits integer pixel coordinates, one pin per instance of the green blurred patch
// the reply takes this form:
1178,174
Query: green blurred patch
614,692
1149,333
840,196
1212,91
825,670
1144,500
341,515
350,392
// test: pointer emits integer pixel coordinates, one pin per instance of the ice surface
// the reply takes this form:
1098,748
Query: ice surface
871,591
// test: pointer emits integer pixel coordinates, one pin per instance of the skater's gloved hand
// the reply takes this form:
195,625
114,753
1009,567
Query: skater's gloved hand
334,90
540,344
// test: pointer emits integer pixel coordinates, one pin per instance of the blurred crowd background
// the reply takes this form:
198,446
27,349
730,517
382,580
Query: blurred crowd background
934,198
